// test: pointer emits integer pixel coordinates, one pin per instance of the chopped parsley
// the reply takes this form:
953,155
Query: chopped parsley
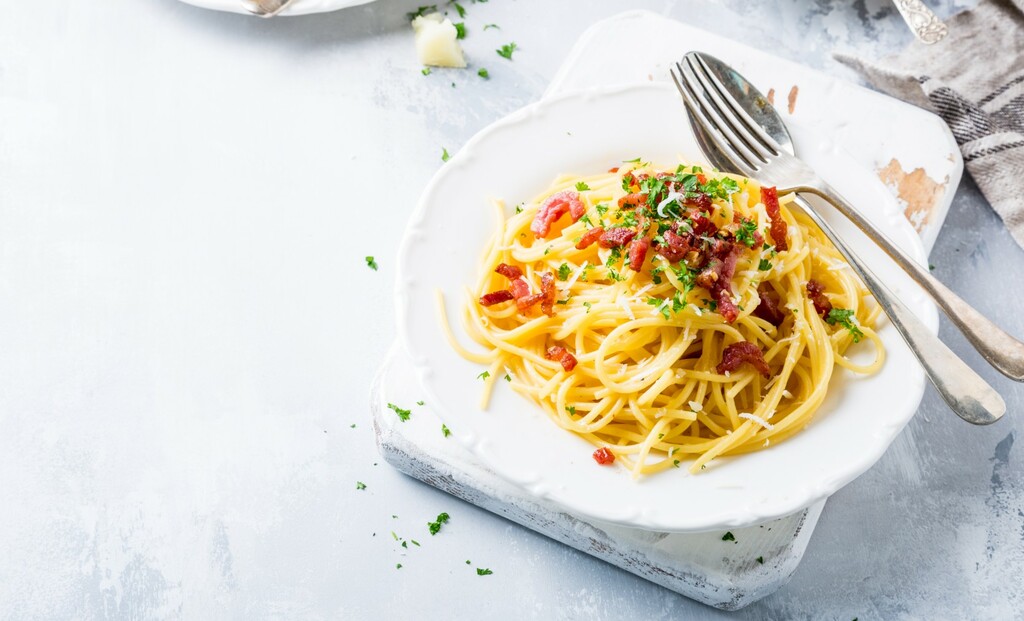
614,275
614,257
508,378
415,543
459,9
483,572
586,220
444,155
435,526
571,409
656,274
728,536
845,318
398,566
519,209
360,485
506,50
484,375
675,462
745,234
371,263
581,186
468,563
446,432
486,26
587,305
563,272
483,74
628,218
425,71
419,403
403,415
601,209
635,160
660,306
421,11
760,559
460,30
764,265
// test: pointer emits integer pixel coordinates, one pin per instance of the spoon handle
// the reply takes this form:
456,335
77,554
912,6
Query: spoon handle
925,25
1000,349
962,389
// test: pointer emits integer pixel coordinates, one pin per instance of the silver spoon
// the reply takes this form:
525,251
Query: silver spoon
966,393
266,8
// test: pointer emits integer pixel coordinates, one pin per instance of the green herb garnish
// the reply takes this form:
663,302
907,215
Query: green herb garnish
483,74
845,318
582,186
360,485
483,572
506,50
728,536
435,526
563,272
403,415
444,155
445,431
371,263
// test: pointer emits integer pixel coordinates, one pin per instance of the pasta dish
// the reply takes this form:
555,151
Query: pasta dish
667,316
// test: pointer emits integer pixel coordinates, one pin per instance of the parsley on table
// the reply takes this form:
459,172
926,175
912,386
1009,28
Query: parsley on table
745,234
371,263
398,566
419,403
581,186
760,559
444,155
468,563
360,485
495,26
563,272
635,160
508,378
421,11
728,536
764,265
415,543
403,415
445,430
460,30
675,462
425,71
483,74
845,318
435,526
459,9
484,375
483,572
506,50
353,425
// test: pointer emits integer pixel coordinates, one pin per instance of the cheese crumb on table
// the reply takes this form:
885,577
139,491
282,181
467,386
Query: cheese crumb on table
436,42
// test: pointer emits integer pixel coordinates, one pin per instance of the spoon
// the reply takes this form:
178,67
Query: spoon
966,393
265,8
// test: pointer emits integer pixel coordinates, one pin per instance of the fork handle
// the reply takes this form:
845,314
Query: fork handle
961,388
1000,349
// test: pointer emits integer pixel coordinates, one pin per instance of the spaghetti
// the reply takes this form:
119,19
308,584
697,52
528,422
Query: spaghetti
667,317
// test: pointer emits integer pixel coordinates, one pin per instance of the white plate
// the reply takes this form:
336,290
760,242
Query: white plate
519,156
299,7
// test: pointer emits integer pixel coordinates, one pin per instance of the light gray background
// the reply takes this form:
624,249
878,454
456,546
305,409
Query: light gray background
188,330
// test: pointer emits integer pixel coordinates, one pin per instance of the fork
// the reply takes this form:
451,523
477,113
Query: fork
265,8
758,155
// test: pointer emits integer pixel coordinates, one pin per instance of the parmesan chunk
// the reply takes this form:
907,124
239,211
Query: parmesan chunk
436,43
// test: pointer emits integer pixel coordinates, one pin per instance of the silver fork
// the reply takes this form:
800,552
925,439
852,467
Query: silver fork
266,8
757,155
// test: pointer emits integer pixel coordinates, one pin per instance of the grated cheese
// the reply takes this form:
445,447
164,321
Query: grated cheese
757,419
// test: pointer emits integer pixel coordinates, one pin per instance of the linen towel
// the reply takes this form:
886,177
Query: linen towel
974,80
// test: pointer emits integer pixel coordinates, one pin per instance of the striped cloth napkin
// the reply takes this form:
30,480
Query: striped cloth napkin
974,80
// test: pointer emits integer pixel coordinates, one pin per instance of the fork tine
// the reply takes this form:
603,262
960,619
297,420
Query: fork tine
743,117
714,122
698,116
736,126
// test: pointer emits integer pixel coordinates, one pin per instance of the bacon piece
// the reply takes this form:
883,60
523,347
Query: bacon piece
702,179
770,198
557,205
675,247
496,297
702,226
726,307
700,200
590,237
521,292
603,456
736,354
509,271
716,277
768,309
638,253
632,200
618,236
562,356
547,289
816,291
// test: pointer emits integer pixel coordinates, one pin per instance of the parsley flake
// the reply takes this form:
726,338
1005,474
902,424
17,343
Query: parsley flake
601,209
484,375
445,431
371,263
760,559
483,572
419,403
425,71
582,186
360,485
495,26
507,50
444,155
435,526
845,318
403,415
460,30
728,536
398,566
508,378
764,265
571,409
563,272
421,11
459,9
745,234
483,74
